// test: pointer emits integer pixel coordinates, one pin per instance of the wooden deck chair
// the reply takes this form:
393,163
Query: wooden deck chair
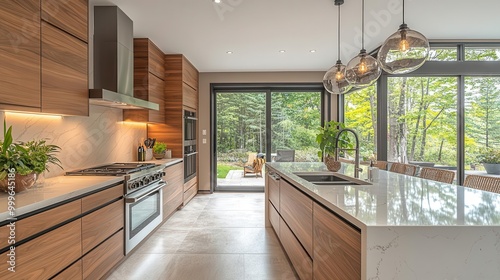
255,168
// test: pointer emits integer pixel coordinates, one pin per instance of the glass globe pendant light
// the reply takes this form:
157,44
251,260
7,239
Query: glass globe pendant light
404,51
334,80
363,70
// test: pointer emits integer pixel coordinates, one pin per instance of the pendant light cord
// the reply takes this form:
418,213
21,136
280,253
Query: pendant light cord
338,36
363,25
403,11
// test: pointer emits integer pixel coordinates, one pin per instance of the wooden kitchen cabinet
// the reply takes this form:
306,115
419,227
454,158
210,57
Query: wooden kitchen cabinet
301,261
64,73
74,272
274,189
100,198
173,192
190,190
45,255
149,72
337,247
20,55
296,210
104,257
69,15
100,224
274,218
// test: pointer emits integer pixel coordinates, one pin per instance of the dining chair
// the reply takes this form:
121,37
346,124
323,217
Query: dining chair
485,183
403,168
436,174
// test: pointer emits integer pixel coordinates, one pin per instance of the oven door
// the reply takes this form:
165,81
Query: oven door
143,213
189,166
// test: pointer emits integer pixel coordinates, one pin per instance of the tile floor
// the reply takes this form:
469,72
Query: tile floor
215,237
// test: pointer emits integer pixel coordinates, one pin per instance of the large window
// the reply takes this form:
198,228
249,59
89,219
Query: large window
445,114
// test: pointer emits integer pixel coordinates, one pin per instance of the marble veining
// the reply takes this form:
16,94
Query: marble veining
85,141
399,200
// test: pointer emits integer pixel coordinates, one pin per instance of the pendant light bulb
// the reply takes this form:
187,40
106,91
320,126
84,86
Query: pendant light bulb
404,51
362,65
339,75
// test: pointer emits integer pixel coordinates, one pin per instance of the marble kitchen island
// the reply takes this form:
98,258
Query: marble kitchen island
407,227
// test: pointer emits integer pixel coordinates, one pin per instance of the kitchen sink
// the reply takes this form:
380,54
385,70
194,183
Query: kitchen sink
330,179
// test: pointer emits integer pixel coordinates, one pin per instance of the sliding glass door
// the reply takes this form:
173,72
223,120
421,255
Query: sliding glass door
262,126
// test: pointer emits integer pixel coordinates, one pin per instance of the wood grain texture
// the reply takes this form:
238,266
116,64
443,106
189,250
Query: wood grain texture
301,261
173,192
42,221
100,198
45,256
296,210
64,73
69,15
274,191
101,224
337,247
20,54
189,73
274,218
102,259
156,65
74,272
190,97
190,193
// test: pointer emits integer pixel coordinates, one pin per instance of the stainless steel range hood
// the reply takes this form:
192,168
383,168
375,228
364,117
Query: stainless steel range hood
114,61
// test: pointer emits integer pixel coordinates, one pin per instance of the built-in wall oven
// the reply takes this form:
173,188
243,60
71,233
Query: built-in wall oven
190,151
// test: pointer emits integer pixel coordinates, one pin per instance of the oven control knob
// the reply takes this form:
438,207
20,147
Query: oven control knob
145,181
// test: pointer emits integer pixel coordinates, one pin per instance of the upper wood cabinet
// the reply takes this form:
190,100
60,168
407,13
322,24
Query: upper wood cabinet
181,78
20,55
69,15
149,73
64,73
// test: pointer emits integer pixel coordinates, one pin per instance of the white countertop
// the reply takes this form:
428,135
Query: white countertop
398,200
61,188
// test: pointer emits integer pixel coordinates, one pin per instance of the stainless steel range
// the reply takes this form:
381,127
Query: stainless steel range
143,186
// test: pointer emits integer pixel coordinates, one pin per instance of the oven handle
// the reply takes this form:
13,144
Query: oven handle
190,154
134,198
191,118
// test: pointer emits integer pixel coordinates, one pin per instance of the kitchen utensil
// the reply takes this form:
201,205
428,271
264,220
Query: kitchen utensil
147,143
154,141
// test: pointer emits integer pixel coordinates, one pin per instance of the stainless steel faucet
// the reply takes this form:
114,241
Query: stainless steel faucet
356,149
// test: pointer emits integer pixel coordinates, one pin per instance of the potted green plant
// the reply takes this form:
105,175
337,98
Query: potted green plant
26,160
490,159
326,138
159,150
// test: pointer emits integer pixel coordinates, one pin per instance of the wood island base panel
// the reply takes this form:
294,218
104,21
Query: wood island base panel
393,226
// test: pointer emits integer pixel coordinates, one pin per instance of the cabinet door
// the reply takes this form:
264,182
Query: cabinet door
156,61
69,15
189,74
274,218
156,90
173,192
44,256
301,261
189,96
104,257
296,210
274,189
20,54
74,272
337,247
101,224
64,73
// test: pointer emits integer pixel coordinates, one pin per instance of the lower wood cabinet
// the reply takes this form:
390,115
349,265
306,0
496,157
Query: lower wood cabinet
46,255
74,272
274,218
274,189
173,192
190,190
337,247
100,224
296,210
297,255
100,260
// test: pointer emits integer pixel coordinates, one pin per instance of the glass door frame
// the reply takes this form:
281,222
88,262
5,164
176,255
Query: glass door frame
267,88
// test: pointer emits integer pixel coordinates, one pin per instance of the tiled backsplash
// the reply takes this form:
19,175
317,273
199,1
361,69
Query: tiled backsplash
85,141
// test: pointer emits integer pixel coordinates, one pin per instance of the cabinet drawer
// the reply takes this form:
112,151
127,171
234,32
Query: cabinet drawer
274,189
74,272
101,224
296,210
42,221
301,261
190,193
173,192
274,218
70,15
337,247
102,259
44,256
98,199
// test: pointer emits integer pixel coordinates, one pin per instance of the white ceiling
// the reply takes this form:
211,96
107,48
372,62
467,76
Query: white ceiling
255,30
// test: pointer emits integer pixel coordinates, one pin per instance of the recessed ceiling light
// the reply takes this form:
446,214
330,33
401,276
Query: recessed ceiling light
282,51
312,51
217,1
229,52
